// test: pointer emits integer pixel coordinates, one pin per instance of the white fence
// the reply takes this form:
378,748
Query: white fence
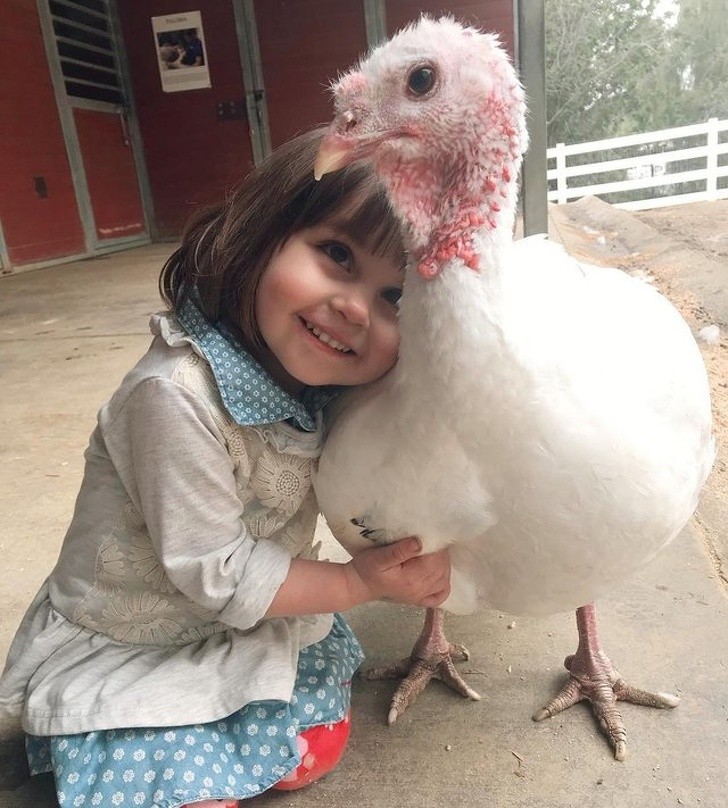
650,170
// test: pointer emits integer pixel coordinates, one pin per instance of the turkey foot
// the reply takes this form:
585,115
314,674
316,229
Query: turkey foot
431,658
593,677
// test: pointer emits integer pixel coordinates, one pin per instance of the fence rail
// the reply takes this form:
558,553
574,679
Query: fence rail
648,170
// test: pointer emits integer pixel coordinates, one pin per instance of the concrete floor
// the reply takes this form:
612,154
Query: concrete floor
70,332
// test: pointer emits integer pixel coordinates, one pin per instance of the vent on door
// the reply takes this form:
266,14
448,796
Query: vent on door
86,45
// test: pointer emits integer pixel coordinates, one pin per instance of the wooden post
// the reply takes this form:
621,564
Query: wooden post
531,49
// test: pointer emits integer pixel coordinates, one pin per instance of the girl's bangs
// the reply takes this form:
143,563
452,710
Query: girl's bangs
354,201
371,223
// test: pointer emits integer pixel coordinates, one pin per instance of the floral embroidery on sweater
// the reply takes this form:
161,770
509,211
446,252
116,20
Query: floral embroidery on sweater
281,481
132,598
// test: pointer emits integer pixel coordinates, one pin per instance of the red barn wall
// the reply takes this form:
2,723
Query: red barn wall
495,16
35,228
192,158
303,45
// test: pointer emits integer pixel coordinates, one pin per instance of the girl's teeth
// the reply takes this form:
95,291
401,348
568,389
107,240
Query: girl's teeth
325,338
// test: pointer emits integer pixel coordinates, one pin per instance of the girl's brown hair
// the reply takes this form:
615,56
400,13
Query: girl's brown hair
226,249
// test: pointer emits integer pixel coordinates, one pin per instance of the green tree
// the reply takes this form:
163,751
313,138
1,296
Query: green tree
607,71
699,58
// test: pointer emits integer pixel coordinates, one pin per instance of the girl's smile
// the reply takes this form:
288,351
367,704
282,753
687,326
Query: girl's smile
326,308
326,339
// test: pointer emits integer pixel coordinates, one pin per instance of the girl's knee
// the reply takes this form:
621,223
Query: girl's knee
321,749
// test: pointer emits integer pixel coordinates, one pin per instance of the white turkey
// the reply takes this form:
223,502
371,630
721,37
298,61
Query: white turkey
548,421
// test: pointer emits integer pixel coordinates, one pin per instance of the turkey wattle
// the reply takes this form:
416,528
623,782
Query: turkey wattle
548,421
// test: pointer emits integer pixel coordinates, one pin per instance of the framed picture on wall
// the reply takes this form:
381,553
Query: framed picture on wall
179,40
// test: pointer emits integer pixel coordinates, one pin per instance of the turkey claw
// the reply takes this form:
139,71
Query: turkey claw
603,690
416,674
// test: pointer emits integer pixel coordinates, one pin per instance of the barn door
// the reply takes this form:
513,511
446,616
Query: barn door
108,160
81,44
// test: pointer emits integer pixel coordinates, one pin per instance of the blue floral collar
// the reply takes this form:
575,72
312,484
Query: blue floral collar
249,393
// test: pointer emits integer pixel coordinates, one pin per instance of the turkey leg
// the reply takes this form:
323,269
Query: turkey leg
431,658
593,677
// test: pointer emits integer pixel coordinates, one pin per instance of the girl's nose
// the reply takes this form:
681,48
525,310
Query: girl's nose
353,307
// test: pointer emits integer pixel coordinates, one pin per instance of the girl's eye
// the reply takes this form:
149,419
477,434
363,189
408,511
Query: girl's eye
338,253
392,296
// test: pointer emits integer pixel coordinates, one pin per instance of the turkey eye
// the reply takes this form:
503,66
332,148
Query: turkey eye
421,80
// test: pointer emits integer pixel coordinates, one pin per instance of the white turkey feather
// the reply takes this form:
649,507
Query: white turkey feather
547,420
555,445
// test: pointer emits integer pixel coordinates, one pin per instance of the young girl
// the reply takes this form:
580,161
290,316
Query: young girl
184,650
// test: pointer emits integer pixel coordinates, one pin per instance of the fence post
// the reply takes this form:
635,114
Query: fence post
561,197
711,179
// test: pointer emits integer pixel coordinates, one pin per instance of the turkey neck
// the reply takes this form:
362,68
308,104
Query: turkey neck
458,211
452,343
444,204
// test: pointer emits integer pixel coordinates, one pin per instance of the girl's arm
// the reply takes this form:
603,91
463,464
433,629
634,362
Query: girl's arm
394,572
177,472
176,469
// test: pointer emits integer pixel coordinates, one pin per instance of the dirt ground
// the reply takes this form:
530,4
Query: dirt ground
704,226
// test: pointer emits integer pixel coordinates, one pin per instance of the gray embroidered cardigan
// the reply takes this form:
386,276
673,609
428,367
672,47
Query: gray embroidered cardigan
183,531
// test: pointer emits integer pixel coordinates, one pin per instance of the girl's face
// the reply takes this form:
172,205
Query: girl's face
327,310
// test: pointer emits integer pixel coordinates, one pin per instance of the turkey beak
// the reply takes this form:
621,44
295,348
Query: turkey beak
335,151
328,159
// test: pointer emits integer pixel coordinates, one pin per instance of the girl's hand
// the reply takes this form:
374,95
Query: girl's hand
397,572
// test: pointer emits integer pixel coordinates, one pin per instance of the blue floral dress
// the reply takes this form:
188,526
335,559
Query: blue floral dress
238,757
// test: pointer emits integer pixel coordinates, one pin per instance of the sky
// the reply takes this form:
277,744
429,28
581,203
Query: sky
667,5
